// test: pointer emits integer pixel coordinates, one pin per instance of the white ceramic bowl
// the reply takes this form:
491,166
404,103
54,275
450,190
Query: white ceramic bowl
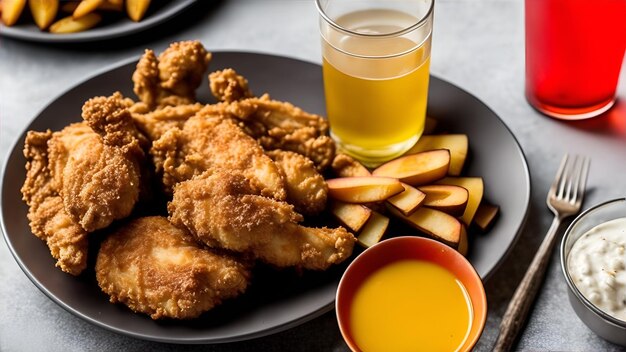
606,326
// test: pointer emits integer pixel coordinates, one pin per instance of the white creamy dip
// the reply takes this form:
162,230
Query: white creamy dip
597,265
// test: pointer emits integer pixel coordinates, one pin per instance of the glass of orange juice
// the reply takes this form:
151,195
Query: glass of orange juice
376,58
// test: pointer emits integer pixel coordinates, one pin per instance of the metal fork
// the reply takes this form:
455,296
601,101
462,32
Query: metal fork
564,199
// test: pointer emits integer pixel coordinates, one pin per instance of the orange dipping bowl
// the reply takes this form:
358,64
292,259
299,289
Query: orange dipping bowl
420,249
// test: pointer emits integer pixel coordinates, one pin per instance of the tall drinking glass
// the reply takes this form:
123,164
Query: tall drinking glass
574,52
376,58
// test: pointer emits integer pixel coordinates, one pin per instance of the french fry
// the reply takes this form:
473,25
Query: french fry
407,201
71,25
457,144
86,7
11,11
43,11
373,230
434,223
353,216
485,215
136,9
475,187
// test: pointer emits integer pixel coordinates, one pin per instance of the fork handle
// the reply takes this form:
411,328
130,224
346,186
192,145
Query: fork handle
524,295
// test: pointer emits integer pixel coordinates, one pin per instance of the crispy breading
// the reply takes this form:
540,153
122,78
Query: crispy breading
207,142
228,86
175,74
49,221
155,123
222,210
100,171
78,181
306,188
155,268
345,166
281,125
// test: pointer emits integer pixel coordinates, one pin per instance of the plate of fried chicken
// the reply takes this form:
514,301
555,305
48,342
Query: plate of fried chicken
188,207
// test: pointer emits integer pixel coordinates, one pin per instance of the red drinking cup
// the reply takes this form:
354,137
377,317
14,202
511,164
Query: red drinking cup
574,53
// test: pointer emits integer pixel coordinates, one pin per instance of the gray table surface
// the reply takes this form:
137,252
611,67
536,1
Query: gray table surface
478,45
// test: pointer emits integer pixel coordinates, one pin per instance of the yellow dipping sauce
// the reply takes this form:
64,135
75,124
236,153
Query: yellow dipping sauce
411,305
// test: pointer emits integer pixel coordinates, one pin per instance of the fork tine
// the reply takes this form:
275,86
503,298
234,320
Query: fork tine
574,179
583,179
559,174
563,179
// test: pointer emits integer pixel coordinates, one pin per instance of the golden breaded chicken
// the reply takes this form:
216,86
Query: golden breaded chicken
100,171
207,142
221,210
345,166
281,125
306,189
49,221
156,122
177,72
158,269
78,181
227,86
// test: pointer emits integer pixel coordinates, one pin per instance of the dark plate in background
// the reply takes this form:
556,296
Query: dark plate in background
276,300
113,25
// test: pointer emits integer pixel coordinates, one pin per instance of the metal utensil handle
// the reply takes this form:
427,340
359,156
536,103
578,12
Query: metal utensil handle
524,295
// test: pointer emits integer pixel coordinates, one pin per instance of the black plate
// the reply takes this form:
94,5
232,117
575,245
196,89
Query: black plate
276,300
114,25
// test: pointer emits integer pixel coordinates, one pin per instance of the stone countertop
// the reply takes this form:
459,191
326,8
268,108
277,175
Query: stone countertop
477,45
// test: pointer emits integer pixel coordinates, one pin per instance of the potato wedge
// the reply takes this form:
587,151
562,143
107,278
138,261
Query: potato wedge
373,230
486,215
11,11
363,189
86,7
417,169
43,11
353,216
71,25
457,144
434,223
136,9
475,187
450,199
407,201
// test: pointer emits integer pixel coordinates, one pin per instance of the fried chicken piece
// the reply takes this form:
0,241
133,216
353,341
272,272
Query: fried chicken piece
306,189
99,173
155,268
345,166
221,210
155,123
174,75
206,142
227,86
281,125
49,221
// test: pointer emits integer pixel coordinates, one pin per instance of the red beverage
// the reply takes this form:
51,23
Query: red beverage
574,52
